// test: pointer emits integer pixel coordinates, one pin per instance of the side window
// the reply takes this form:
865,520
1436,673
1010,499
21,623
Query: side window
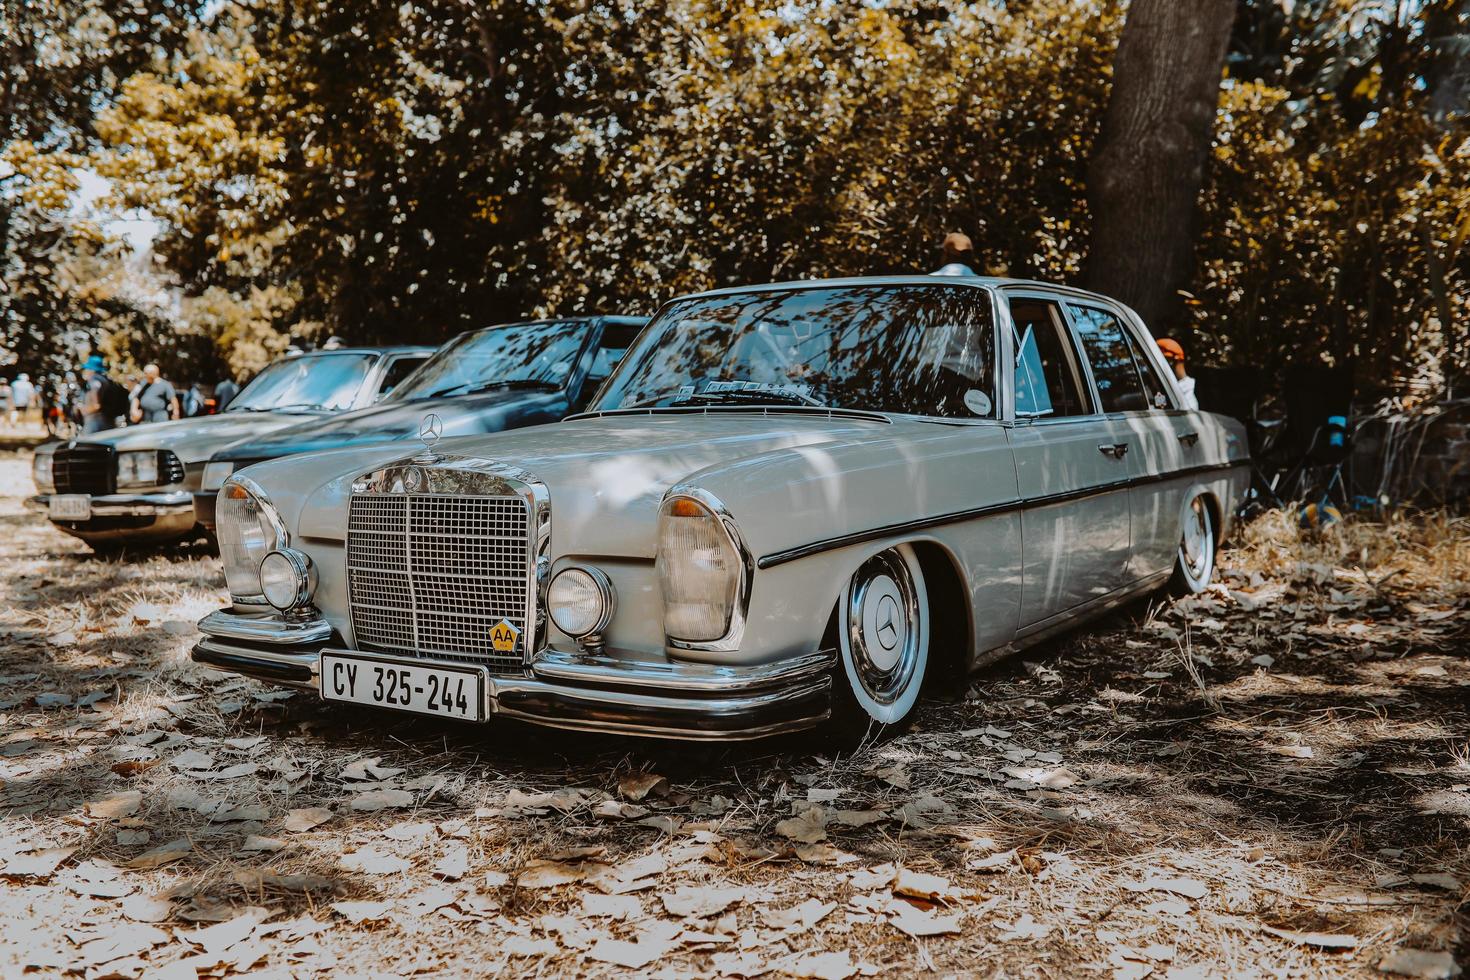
1047,380
1110,353
1153,383
616,339
398,369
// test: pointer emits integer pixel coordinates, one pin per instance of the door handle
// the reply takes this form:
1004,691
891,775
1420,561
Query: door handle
1117,450
1189,438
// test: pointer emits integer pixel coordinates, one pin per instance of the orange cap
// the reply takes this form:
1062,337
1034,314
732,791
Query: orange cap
1172,350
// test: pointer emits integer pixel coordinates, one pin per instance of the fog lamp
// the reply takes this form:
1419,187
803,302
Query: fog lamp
287,579
580,600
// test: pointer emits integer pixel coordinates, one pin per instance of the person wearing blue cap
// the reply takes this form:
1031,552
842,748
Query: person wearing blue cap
104,401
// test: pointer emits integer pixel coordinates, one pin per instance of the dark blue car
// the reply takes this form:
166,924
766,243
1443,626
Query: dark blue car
501,377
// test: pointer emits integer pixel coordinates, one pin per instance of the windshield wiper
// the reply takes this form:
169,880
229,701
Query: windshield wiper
473,387
739,396
302,407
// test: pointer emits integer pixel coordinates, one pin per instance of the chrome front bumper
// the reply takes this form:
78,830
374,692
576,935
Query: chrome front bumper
587,692
168,513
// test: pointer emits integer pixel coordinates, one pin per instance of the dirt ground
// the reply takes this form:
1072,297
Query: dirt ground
1272,779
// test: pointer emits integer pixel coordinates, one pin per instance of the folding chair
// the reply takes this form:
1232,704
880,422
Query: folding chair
1236,392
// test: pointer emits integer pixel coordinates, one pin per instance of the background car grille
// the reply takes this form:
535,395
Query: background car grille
430,575
84,468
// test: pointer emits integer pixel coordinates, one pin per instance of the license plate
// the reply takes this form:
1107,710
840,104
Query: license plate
71,507
447,692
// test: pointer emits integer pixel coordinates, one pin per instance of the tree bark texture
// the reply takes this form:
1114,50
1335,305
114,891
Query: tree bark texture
1146,171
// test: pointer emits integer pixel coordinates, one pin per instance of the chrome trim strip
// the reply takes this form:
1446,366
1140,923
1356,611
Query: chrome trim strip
262,628
594,669
735,630
1015,504
813,411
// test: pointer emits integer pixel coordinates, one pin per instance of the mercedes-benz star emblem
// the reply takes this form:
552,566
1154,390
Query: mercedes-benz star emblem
887,622
431,430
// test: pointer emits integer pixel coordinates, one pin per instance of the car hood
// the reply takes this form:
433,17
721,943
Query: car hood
605,476
195,440
394,421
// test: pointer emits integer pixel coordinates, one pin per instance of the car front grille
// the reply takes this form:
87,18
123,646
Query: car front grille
84,468
431,575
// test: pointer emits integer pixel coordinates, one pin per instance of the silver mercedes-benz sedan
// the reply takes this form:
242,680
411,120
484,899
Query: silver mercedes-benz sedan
790,506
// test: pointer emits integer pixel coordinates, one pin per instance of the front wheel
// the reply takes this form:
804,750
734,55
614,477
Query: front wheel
1194,566
882,623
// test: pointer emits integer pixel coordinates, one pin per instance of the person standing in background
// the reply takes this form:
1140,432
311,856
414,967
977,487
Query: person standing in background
959,256
1174,354
103,402
224,392
154,399
23,395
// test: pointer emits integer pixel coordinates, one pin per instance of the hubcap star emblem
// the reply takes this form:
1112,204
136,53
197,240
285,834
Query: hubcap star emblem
887,622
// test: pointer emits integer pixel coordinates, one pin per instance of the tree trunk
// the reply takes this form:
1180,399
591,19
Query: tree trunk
1146,171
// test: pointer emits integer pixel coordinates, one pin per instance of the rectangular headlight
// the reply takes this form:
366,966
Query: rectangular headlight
215,475
41,472
137,468
699,571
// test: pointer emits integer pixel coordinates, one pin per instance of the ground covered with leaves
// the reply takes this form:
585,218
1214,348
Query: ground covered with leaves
1270,779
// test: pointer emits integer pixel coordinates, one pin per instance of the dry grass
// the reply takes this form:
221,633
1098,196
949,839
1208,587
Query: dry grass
1244,783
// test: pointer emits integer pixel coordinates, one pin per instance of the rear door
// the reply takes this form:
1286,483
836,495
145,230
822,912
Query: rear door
1140,409
1074,522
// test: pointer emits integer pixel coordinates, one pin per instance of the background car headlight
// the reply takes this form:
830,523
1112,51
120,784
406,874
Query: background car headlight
580,600
248,529
215,475
287,579
41,472
137,468
700,570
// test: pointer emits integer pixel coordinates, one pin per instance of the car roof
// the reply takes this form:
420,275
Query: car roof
991,282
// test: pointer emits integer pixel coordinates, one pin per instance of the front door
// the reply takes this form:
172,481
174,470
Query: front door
1072,480
1137,402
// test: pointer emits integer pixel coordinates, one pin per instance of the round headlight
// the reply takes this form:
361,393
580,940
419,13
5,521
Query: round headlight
580,600
286,579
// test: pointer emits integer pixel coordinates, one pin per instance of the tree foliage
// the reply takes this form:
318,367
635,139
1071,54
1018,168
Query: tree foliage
406,170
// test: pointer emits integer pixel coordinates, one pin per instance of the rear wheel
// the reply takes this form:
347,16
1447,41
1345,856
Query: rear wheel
1194,566
882,625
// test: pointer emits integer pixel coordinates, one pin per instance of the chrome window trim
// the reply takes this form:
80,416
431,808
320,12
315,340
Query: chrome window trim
1061,300
273,517
475,476
735,630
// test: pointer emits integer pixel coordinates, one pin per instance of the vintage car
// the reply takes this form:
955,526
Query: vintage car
136,484
487,380
790,506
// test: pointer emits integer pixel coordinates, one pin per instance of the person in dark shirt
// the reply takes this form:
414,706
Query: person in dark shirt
102,401
154,399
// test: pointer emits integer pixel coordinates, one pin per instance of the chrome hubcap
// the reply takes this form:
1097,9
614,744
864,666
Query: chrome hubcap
883,627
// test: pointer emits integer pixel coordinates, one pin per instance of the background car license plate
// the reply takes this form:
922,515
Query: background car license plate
71,507
447,692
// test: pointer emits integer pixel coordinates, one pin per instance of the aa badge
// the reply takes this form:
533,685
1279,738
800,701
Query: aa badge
503,637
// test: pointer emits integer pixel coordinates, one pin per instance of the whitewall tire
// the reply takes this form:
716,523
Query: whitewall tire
883,644
1194,562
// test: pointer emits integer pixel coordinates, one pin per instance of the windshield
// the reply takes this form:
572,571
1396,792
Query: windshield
517,355
314,381
913,349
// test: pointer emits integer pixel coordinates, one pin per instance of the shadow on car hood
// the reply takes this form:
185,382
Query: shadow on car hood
394,421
